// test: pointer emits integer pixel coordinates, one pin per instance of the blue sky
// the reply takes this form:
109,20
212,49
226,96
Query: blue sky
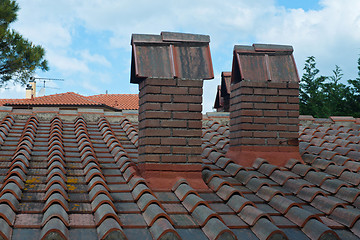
88,42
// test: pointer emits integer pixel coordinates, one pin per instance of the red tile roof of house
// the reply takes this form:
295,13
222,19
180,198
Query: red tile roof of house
121,101
112,101
78,178
68,98
6,100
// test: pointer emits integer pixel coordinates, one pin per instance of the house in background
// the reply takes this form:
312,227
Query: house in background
91,171
69,102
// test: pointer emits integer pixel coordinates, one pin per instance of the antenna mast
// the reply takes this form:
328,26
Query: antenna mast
44,80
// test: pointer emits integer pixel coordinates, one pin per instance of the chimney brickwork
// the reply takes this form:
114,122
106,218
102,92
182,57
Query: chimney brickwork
264,114
264,105
170,69
170,121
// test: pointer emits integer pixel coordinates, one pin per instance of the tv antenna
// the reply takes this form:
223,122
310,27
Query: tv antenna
44,80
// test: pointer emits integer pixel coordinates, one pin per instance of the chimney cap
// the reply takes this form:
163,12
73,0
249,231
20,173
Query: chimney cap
171,55
169,37
264,62
264,48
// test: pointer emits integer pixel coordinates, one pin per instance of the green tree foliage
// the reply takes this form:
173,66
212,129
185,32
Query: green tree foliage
322,96
19,58
311,94
354,94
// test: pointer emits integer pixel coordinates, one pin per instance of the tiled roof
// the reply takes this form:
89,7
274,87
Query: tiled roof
120,101
78,179
113,101
6,100
68,98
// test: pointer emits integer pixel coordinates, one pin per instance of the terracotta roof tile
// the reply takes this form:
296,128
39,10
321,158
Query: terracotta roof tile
114,101
120,101
68,98
77,178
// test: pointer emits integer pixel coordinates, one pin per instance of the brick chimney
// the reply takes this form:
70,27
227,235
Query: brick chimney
170,69
222,100
225,90
264,105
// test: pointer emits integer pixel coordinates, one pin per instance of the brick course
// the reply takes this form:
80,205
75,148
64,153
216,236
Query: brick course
170,77
265,113
171,115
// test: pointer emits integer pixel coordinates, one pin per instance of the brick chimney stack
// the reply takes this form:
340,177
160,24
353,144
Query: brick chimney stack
264,105
170,69
225,90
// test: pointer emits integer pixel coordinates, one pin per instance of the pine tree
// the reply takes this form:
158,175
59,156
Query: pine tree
311,90
336,94
354,95
19,57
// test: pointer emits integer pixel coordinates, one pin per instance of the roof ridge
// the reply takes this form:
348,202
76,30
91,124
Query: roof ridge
107,94
87,99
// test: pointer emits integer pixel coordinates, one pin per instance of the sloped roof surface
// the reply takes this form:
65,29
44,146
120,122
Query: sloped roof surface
121,101
117,101
68,98
77,179
6,100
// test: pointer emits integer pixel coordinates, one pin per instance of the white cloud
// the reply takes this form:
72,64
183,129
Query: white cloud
331,33
91,87
46,22
12,91
94,58
68,65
